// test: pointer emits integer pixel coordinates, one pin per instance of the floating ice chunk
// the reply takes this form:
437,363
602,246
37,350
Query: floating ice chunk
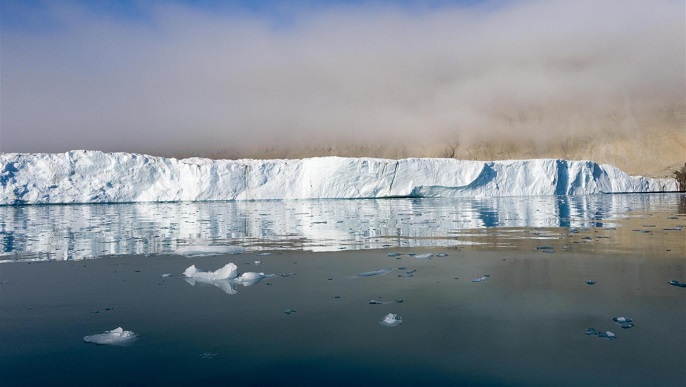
607,335
375,272
391,320
200,251
677,283
117,336
258,262
424,256
591,332
624,322
481,279
442,255
166,275
252,278
375,302
289,311
394,254
590,282
227,272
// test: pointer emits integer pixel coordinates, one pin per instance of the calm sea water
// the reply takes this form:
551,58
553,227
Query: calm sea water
470,316
70,232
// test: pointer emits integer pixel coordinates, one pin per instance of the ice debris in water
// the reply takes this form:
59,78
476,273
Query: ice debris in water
442,255
375,272
624,322
252,278
394,254
677,283
607,335
117,336
375,302
264,254
229,271
208,355
603,335
481,279
391,320
166,275
423,256
408,274
590,282
288,311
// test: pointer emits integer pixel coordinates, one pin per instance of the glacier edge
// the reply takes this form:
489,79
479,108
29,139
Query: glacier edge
99,177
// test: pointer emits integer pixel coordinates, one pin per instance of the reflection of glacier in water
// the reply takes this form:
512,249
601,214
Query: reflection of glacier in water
88,231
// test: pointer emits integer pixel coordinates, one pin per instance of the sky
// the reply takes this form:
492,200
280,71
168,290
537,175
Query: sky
161,77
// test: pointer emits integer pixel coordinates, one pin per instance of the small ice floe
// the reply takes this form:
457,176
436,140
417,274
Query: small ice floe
117,336
375,302
166,275
223,278
229,271
289,311
391,320
677,228
607,335
590,282
394,254
408,274
624,322
258,262
201,251
374,273
482,278
423,256
442,255
677,283
591,332
251,278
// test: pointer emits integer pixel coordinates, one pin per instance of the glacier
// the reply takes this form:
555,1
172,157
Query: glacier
98,177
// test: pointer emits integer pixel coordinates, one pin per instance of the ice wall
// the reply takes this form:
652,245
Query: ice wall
97,177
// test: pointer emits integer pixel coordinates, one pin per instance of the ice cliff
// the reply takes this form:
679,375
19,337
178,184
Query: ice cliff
97,177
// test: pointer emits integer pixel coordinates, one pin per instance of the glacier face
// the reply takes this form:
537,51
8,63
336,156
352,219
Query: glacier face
98,177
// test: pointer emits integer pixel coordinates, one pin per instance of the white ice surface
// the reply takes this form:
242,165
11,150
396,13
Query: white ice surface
117,336
391,320
97,177
229,271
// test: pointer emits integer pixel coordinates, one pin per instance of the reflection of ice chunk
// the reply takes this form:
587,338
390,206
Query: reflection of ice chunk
391,320
227,272
375,272
117,336
199,251
226,285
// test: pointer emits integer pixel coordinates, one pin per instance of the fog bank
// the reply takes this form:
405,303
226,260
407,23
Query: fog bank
184,80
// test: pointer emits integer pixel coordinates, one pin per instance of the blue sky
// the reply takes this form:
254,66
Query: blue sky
162,76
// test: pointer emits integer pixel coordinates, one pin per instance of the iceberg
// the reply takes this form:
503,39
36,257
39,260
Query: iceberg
99,177
117,336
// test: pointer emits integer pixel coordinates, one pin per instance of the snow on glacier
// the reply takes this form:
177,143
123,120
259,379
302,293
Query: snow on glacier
98,177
